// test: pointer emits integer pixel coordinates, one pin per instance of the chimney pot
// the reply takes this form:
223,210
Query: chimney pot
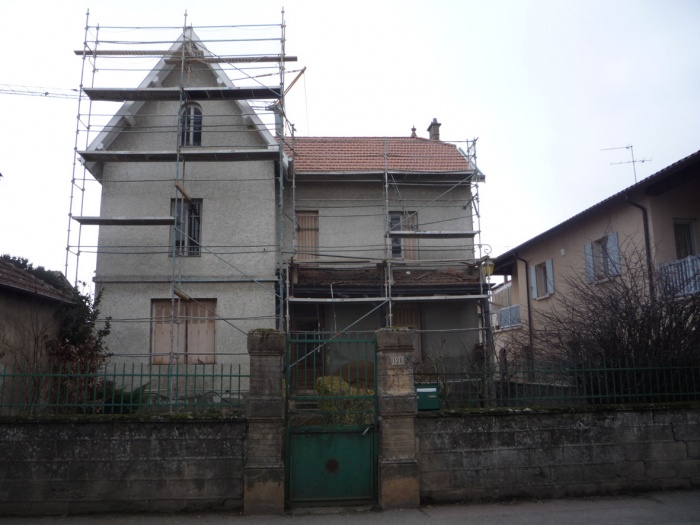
413,133
434,130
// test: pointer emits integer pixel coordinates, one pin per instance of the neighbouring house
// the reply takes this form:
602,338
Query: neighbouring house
208,228
655,220
28,306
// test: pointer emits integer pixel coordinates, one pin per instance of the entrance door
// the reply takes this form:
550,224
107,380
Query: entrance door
331,418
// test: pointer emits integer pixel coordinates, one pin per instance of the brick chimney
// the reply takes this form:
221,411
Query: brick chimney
434,130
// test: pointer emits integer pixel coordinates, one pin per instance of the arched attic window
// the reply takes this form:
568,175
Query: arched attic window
191,125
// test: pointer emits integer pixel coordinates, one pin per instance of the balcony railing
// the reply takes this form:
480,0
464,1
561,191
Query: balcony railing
681,277
509,316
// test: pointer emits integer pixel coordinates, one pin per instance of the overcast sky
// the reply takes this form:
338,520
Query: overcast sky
545,85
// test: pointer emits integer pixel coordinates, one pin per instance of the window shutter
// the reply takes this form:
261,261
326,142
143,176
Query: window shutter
613,254
533,282
161,332
590,268
162,322
307,235
410,245
201,331
550,276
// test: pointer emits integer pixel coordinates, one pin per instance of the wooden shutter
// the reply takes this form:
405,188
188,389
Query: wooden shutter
161,338
410,245
201,331
307,235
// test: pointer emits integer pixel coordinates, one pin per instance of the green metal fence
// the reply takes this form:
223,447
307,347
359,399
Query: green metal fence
560,385
123,389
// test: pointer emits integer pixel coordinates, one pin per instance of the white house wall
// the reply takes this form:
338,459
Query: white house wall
352,220
238,230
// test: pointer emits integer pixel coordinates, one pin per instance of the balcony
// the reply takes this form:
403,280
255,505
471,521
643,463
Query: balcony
681,277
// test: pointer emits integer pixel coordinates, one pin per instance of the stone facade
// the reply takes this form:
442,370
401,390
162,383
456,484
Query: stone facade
264,468
398,470
80,465
472,457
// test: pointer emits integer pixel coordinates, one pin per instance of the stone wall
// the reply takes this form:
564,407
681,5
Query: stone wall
488,456
119,465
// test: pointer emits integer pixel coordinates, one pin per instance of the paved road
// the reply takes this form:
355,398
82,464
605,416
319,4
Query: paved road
667,508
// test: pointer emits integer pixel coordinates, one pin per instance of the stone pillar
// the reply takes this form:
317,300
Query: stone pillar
263,491
399,481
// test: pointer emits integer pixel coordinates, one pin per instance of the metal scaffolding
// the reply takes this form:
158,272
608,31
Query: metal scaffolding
251,64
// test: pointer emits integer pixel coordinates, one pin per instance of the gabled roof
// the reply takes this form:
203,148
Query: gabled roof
155,77
330,155
670,177
21,281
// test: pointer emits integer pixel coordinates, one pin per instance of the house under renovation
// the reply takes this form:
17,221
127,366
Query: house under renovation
215,219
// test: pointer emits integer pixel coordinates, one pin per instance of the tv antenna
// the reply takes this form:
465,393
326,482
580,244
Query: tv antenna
633,161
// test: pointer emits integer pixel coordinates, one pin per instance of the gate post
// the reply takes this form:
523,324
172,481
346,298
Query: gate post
399,479
263,488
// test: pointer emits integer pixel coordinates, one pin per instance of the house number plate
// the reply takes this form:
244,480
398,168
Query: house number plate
398,360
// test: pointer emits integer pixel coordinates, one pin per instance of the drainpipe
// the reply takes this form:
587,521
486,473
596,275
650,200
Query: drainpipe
527,295
647,244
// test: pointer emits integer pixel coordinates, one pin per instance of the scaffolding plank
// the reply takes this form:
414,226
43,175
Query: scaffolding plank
234,59
125,221
411,299
190,154
188,93
440,234
175,58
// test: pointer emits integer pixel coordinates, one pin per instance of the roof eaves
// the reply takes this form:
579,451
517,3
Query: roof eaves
665,173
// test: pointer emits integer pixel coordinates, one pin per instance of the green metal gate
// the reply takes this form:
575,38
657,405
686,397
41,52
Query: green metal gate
331,431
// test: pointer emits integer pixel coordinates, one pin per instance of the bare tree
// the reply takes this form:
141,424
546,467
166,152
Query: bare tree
624,318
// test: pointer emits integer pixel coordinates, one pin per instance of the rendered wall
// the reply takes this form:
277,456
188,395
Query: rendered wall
240,306
352,217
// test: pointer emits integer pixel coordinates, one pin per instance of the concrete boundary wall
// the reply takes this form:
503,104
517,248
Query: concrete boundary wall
553,454
74,466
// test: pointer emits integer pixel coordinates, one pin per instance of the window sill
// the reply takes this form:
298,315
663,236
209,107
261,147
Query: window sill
603,280
543,297
509,328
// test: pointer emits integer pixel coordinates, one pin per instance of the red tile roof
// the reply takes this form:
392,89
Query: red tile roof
18,280
373,154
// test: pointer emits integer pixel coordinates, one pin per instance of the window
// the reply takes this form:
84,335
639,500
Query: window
684,235
193,341
542,280
509,316
307,235
191,125
187,231
602,258
406,248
